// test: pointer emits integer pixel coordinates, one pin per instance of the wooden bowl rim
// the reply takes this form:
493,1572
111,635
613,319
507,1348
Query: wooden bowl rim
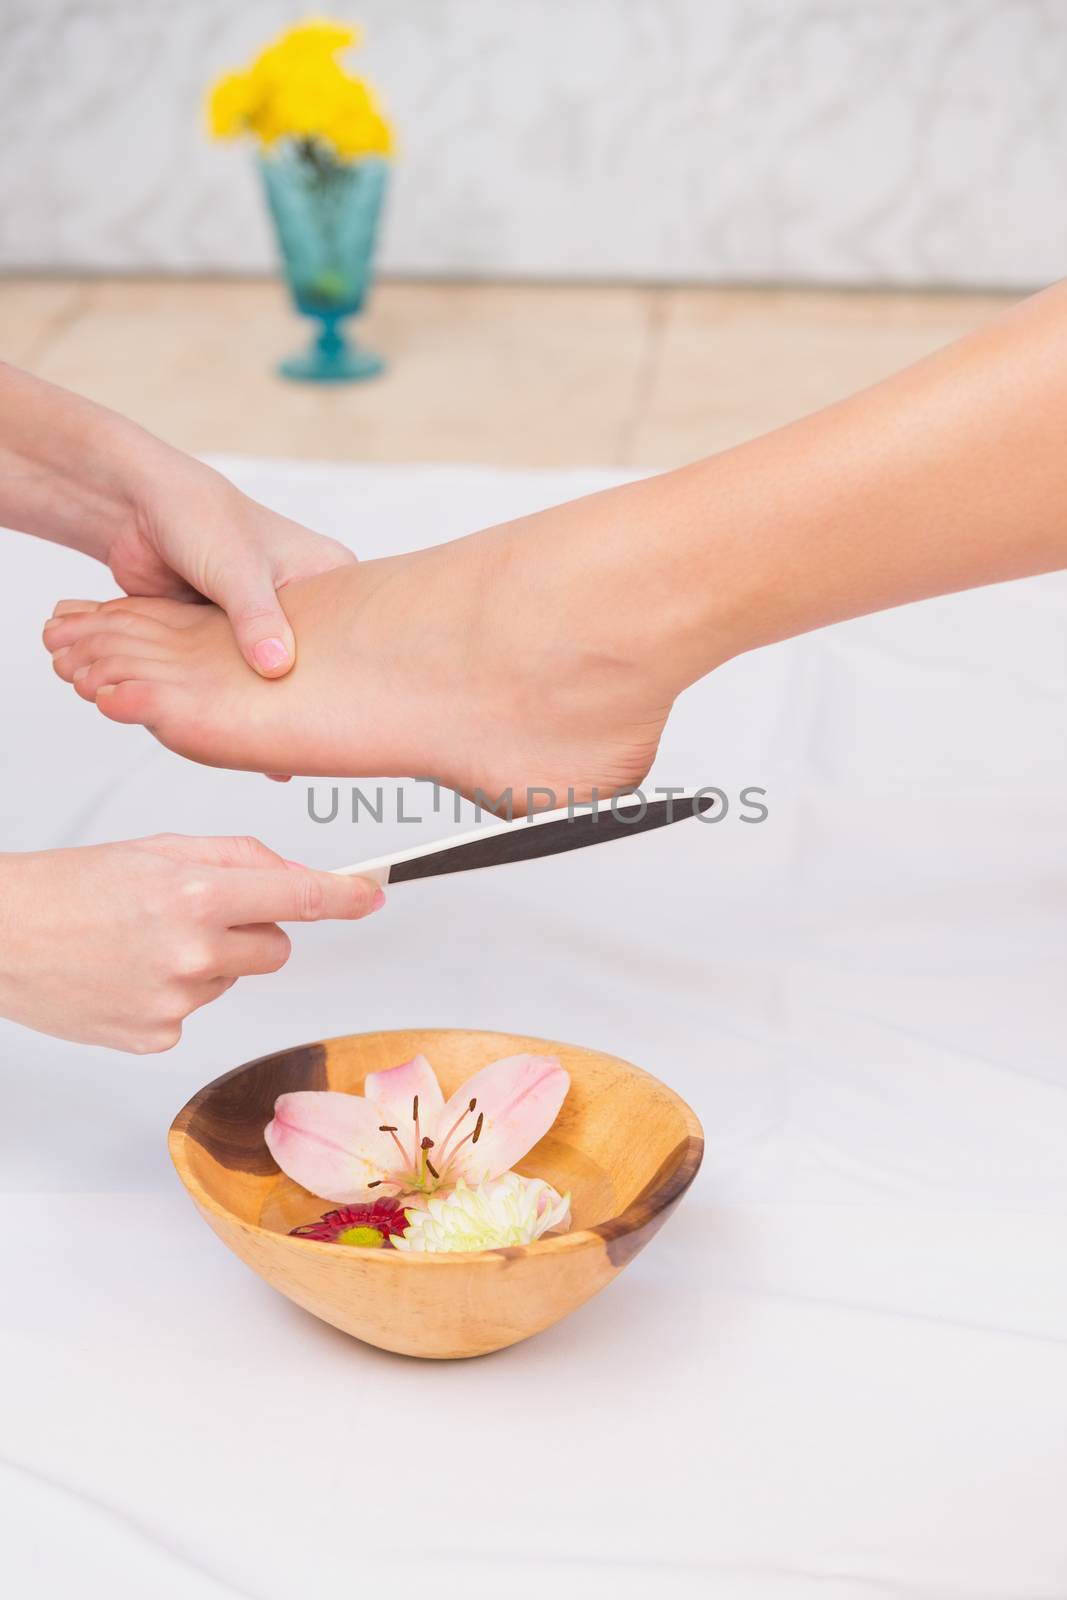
655,1197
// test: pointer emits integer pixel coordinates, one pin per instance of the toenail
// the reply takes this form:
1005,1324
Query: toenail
271,653
79,673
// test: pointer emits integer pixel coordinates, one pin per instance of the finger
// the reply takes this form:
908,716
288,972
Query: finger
253,951
259,624
296,894
228,851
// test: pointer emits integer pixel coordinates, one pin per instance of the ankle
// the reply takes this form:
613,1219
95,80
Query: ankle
628,573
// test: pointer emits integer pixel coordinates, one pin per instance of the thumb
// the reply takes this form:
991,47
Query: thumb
259,624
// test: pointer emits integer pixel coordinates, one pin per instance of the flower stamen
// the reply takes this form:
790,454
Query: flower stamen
445,1155
392,1132
472,1138
418,1141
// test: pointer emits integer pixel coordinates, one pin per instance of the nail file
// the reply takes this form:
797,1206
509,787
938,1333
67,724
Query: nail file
548,833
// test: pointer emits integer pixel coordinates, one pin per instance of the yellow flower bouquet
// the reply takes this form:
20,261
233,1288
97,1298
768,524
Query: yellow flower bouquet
323,151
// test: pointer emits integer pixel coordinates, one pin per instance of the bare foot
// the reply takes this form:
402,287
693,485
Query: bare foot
492,662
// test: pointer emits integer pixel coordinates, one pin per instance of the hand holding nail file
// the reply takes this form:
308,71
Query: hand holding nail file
547,834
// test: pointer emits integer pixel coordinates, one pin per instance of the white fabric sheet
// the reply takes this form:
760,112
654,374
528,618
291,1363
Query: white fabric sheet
841,1369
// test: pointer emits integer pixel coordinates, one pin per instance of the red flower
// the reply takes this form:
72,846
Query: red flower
372,1227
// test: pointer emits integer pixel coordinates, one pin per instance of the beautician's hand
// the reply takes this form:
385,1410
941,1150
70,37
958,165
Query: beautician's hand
195,532
116,944
166,525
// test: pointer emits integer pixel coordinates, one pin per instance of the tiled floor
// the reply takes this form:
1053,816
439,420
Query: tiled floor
513,374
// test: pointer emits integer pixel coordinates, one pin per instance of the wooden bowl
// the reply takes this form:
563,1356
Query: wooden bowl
625,1146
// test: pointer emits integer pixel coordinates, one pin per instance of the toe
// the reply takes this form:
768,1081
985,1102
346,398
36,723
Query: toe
165,709
171,613
108,670
133,701
63,666
59,632
74,658
97,633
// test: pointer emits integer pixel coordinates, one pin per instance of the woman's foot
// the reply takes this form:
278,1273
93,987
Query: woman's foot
490,663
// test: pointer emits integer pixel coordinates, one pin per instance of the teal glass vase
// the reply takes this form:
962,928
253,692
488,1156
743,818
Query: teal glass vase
326,216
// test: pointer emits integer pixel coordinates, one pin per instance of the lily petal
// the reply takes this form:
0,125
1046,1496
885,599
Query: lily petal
394,1091
519,1098
329,1143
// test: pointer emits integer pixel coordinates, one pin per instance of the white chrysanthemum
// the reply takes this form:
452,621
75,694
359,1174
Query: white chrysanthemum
501,1211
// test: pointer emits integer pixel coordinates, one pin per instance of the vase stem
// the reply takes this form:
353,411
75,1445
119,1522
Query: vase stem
331,341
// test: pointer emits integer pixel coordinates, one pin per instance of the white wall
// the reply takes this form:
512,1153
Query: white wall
844,141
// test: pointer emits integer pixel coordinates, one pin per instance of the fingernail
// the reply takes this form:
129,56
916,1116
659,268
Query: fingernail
79,673
379,900
271,653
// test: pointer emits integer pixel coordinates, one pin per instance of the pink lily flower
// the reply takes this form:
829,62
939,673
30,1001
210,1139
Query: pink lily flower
402,1137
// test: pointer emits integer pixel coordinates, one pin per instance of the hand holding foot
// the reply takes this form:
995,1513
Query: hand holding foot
164,523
